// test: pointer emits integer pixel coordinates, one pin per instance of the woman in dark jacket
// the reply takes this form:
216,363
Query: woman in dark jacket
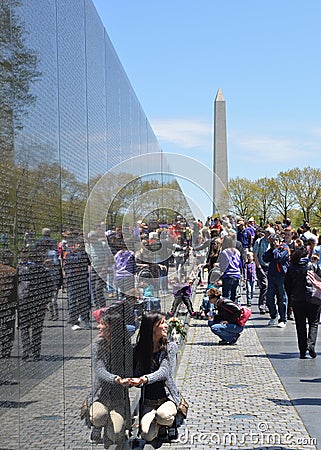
154,366
295,285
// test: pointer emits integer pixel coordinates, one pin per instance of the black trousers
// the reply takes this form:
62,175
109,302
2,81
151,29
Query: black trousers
307,318
177,301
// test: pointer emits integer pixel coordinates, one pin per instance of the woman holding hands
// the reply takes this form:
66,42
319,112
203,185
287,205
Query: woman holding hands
154,366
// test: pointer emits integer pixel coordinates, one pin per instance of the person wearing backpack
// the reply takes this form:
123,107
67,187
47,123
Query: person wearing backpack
224,323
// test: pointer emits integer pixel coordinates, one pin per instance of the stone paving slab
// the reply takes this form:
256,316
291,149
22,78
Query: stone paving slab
236,401
236,398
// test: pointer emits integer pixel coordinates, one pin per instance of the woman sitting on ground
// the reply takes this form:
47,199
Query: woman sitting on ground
154,365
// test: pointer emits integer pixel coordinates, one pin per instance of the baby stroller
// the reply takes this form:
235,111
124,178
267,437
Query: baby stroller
144,282
214,278
146,288
213,281
206,308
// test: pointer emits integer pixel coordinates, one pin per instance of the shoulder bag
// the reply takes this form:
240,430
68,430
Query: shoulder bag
313,294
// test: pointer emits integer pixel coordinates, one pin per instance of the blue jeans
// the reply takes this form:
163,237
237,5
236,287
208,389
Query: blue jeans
276,289
249,290
229,287
226,331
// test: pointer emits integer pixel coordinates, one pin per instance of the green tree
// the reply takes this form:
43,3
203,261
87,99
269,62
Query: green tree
264,196
18,68
243,197
306,187
284,198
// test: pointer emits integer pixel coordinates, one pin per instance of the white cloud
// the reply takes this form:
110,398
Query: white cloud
275,150
272,149
184,133
316,131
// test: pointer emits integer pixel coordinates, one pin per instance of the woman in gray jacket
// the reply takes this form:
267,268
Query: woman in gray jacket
109,407
154,366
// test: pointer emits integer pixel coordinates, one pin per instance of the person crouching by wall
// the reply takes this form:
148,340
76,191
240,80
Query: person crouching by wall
109,407
154,367
224,323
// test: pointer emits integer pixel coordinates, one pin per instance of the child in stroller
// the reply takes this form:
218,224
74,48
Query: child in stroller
214,280
206,308
182,293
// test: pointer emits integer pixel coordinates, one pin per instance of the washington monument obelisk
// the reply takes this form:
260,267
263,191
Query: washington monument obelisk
220,168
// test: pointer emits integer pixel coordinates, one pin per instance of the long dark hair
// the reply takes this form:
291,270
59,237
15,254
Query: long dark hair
143,355
118,347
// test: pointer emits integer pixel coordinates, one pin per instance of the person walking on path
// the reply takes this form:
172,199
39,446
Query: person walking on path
295,284
249,278
260,246
244,236
230,262
278,258
35,289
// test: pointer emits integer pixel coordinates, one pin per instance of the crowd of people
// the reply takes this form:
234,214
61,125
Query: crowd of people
126,263
278,258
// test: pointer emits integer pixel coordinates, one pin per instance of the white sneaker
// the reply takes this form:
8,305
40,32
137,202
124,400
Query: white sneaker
273,322
281,324
75,327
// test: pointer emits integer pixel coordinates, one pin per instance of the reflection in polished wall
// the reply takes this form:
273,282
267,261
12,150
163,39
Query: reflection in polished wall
68,115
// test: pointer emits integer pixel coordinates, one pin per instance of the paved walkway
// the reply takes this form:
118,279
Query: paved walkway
237,399
246,396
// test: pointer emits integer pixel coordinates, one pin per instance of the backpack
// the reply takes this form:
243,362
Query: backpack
312,294
245,315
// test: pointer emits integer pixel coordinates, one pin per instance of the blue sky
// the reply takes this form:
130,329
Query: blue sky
265,56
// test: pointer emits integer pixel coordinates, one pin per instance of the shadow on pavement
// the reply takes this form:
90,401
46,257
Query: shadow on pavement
274,356
12,404
314,380
307,401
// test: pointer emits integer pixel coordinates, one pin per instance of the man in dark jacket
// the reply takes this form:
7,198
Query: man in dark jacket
224,323
278,258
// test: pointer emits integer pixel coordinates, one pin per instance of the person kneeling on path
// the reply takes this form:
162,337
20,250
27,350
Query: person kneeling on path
224,323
